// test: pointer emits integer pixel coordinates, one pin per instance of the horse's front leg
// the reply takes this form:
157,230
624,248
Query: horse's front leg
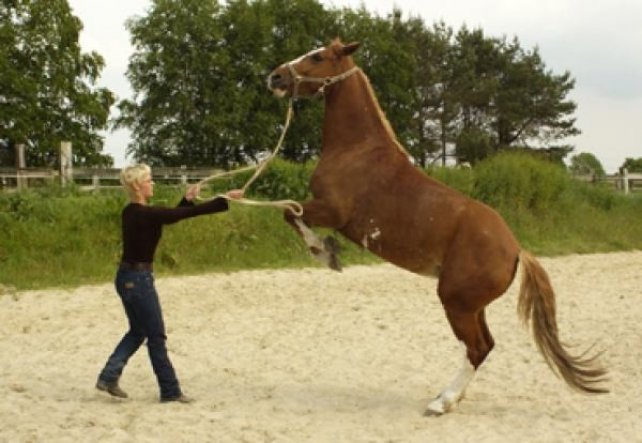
318,213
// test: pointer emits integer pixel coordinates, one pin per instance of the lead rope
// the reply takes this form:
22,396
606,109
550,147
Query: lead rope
292,205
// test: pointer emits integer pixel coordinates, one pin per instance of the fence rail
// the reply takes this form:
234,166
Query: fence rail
96,178
105,178
627,182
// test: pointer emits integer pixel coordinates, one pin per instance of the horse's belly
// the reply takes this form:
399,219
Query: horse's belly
400,247
423,262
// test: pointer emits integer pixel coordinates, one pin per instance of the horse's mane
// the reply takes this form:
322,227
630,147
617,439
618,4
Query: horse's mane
382,116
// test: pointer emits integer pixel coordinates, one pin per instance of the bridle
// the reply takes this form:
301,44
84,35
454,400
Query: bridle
325,81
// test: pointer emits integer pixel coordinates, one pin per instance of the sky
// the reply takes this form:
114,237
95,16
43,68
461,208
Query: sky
599,42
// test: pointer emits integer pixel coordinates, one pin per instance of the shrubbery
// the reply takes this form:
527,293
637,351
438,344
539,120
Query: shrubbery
519,180
280,180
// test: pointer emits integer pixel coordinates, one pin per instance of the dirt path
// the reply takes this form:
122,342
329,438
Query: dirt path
314,356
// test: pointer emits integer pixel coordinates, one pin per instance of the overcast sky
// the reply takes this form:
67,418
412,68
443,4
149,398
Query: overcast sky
599,42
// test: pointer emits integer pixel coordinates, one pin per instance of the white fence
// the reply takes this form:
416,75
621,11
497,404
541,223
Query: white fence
625,182
104,178
94,178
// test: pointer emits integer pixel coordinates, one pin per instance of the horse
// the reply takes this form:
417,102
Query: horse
366,187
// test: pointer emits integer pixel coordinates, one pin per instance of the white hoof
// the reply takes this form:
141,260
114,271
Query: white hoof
439,406
435,408
450,396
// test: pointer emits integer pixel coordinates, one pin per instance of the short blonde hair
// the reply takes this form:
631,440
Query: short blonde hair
131,176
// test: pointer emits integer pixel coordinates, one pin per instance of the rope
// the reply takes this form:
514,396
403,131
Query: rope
292,205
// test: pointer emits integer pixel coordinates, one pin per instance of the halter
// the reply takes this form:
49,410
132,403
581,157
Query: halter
325,81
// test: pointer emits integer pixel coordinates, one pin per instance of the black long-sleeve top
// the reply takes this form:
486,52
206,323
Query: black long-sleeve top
142,226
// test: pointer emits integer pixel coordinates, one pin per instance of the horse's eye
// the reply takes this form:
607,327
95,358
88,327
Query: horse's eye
317,57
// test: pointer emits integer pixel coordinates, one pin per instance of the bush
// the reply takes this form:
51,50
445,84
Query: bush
521,181
462,179
279,181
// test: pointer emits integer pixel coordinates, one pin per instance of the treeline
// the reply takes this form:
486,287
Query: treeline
198,75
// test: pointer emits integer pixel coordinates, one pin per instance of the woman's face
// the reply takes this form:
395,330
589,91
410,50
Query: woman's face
146,187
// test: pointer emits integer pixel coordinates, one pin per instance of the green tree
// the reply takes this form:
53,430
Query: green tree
476,66
473,145
438,107
531,103
632,164
48,84
179,76
506,92
586,163
198,74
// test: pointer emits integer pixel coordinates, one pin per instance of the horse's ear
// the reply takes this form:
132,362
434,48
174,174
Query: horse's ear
350,48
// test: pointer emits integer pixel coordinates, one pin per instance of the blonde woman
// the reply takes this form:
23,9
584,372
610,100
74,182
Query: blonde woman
142,226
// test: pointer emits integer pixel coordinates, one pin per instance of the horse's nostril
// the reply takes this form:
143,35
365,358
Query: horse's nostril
274,79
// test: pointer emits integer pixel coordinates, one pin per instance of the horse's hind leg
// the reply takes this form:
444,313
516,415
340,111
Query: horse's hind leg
490,343
472,331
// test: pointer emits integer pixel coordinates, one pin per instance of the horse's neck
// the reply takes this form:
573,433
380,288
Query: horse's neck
352,114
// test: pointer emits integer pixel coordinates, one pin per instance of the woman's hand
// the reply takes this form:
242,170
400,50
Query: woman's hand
235,194
192,192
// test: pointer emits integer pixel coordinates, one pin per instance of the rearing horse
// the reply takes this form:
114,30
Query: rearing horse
365,187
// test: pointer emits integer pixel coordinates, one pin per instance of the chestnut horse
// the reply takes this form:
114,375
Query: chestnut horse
366,187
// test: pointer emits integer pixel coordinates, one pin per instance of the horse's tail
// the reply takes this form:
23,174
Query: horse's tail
537,303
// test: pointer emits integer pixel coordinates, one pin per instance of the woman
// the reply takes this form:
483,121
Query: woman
142,227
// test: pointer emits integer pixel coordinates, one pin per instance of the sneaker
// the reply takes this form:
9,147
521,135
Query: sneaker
180,399
111,388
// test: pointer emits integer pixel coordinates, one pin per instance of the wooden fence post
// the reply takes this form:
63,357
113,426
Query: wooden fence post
66,164
183,175
625,180
21,164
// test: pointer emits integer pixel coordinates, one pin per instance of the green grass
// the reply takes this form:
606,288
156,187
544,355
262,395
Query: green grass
55,237
69,239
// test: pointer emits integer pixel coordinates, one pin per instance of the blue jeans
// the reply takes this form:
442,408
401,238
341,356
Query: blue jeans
140,300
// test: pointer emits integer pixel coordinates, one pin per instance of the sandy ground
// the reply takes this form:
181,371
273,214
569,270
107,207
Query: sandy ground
315,356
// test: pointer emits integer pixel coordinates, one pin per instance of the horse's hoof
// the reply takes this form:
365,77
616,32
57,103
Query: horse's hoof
334,263
331,245
438,406
431,413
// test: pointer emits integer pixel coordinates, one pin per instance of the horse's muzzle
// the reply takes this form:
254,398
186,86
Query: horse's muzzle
278,84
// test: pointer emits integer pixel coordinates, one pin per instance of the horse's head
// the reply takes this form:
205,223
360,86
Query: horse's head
311,73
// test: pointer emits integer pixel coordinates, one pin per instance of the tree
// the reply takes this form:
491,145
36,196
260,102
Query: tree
438,108
632,165
488,86
531,103
179,76
476,66
586,163
198,73
48,84
473,145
